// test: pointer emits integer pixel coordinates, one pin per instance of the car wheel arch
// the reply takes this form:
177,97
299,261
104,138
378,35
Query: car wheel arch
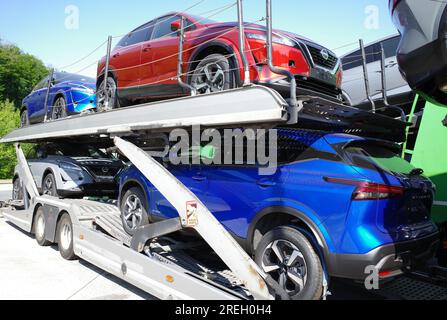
46,172
58,95
283,216
131,183
210,48
100,78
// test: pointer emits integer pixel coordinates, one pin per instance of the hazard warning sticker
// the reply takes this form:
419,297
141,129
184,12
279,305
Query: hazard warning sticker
192,218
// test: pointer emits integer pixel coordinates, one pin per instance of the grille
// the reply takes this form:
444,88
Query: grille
318,59
103,171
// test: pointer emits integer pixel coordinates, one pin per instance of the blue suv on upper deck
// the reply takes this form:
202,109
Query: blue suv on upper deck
336,205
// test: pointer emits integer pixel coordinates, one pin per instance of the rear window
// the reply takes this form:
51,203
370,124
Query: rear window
375,156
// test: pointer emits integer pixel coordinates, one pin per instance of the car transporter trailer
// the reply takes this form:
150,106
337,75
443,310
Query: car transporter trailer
152,260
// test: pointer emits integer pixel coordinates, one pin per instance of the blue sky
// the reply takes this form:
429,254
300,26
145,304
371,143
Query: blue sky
39,26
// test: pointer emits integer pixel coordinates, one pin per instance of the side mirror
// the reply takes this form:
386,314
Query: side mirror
175,25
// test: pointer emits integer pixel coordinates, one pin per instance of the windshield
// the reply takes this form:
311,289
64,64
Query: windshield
76,151
372,155
202,20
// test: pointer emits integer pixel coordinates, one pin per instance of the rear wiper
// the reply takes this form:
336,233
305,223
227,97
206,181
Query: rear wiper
416,172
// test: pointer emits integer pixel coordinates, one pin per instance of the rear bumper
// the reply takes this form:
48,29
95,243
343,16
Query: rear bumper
393,258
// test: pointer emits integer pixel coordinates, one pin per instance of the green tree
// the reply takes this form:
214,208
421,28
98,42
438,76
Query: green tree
19,73
10,119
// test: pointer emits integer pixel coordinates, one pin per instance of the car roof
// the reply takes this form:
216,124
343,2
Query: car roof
371,43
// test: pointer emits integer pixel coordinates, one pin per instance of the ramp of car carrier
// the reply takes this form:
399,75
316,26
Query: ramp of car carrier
248,105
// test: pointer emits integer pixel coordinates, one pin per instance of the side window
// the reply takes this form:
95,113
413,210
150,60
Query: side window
390,47
354,59
42,84
190,26
163,27
139,35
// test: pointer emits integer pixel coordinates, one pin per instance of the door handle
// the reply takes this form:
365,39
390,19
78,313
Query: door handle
116,55
266,183
147,48
391,64
199,178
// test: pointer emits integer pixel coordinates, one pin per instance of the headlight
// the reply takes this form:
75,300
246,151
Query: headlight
69,166
276,39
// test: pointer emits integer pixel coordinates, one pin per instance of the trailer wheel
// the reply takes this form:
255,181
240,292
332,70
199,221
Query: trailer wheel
288,257
39,228
134,210
65,237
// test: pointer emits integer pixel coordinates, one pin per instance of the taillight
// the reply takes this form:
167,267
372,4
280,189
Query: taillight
370,191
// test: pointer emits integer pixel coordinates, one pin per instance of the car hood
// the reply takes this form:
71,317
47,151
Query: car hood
249,26
78,85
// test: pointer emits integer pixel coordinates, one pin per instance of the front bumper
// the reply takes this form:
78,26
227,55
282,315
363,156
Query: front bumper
305,89
90,190
392,258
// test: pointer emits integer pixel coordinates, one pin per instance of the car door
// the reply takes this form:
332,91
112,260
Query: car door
353,78
159,59
192,177
36,101
236,193
125,61
393,75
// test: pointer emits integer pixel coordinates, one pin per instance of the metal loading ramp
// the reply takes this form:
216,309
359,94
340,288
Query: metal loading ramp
255,105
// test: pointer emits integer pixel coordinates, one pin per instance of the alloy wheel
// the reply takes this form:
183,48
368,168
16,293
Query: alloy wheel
23,119
211,78
133,211
106,98
286,264
58,109
16,190
48,186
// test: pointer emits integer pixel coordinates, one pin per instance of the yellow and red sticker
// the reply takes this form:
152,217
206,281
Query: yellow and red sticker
192,219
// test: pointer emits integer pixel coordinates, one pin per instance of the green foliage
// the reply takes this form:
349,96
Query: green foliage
9,119
19,73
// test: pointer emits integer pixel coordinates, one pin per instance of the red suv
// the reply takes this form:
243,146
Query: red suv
143,65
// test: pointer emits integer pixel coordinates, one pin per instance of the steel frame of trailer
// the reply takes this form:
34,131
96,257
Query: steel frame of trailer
160,277
251,105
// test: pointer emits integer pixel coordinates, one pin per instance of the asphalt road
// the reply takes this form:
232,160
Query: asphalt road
30,272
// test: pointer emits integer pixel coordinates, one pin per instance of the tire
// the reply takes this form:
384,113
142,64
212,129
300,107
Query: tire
134,210
24,119
17,190
213,74
64,237
111,96
303,280
39,228
59,109
49,186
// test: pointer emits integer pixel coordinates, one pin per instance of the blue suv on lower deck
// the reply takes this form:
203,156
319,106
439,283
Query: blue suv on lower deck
336,205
